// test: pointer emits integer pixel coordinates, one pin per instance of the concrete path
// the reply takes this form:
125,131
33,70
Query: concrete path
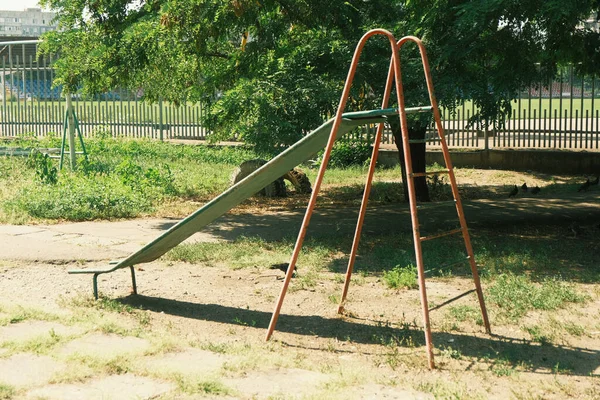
97,241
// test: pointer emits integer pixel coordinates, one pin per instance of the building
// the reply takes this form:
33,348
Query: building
31,22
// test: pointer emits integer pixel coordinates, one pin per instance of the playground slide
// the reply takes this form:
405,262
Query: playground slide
274,169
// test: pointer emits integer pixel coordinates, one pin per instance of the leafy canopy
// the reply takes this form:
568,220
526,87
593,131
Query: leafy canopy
270,70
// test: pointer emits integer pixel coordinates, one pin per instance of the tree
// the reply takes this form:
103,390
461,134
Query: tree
271,70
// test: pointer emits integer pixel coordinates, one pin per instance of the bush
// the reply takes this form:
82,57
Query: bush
76,198
346,153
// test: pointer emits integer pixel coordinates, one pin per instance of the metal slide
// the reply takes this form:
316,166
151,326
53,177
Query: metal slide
274,169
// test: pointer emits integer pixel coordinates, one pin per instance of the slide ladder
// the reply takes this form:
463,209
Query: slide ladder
394,78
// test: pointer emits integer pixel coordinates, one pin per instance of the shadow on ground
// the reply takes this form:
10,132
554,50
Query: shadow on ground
533,357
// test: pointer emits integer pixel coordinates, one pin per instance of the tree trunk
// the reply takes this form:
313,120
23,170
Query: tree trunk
417,152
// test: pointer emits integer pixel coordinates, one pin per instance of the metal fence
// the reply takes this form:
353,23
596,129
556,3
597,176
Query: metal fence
32,105
563,114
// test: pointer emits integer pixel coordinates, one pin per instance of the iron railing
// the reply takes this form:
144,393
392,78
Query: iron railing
31,104
563,114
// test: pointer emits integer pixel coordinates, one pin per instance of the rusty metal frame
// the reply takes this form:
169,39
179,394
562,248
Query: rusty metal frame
394,76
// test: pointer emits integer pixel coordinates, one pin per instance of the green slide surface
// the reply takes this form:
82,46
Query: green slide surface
274,169
253,183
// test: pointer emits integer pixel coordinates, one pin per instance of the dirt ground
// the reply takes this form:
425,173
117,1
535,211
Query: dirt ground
203,321
197,331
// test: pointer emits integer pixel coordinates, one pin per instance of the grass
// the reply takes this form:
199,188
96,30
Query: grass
122,179
16,314
247,252
524,109
515,295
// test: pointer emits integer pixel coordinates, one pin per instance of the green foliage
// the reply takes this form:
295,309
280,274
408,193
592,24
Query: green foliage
271,70
140,179
45,170
349,152
77,198
401,277
515,295
120,179
462,313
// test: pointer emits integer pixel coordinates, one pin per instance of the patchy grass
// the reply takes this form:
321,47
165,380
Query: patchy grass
515,295
253,252
19,313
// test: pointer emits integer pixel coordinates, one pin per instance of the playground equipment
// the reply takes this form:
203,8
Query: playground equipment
72,124
325,136
394,77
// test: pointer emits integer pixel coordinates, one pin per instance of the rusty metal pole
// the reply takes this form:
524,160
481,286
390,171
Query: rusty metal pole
367,192
448,161
321,173
71,123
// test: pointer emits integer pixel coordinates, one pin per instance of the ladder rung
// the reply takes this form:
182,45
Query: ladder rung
417,174
439,235
451,300
448,265
430,205
411,141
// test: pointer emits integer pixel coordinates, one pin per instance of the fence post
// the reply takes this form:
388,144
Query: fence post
160,118
71,123
486,144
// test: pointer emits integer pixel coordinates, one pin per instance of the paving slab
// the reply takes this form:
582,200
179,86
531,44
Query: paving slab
105,346
190,362
27,330
24,369
293,383
114,387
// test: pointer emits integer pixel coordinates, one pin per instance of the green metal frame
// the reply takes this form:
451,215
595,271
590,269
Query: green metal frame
253,183
64,138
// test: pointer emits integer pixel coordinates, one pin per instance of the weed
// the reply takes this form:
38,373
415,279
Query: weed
20,314
537,334
244,323
401,277
345,153
439,189
115,366
449,352
211,387
7,392
41,344
121,179
308,279
573,329
43,166
334,298
221,348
